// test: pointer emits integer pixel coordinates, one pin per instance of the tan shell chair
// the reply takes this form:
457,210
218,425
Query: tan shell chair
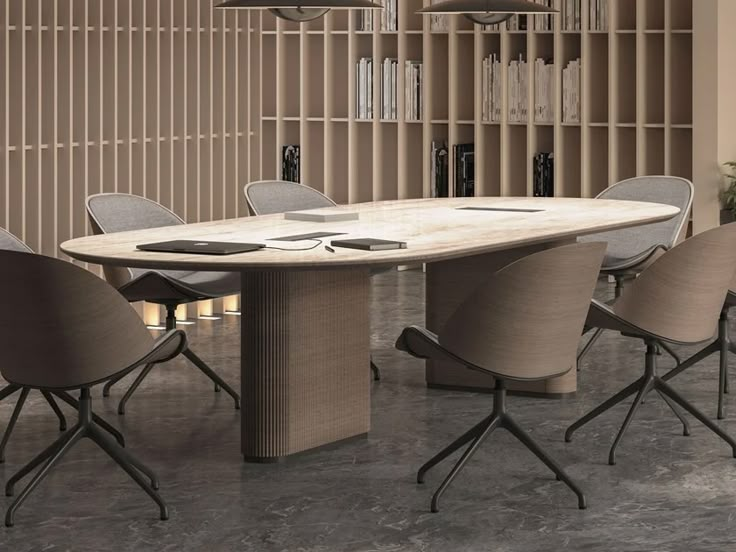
63,329
122,212
676,300
722,345
271,197
496,330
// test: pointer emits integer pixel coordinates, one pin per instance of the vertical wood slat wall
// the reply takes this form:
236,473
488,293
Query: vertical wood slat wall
145,97
636,101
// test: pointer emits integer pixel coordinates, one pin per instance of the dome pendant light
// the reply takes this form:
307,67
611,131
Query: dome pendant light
488,12
299,10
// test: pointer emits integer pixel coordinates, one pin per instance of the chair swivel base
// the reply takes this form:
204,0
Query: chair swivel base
376,371
499,419
86,427
647,383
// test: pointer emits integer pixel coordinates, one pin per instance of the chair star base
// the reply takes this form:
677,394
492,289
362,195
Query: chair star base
499,419
647,383
86,427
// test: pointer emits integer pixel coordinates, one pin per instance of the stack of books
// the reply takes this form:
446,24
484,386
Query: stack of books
364,89
518,99
440,169
439,23
571,16
544,175
365,20
571,92
464,156
598,15
492,109
544,91
545,22
290,163
414,79
389,15
389,110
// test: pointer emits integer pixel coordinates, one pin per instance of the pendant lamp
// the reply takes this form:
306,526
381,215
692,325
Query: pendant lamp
487,12
299,10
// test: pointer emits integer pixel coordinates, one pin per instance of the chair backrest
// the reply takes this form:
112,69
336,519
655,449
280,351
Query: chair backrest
62,327
680,296
109,213
8,242
668,190
526,320
270,197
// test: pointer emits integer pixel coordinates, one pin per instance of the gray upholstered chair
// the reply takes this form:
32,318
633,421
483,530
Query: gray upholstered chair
722,345
65,329
496,330
271,197
631,250
122,212
8,242
678,300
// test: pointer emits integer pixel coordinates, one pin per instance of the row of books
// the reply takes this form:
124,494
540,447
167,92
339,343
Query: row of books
544,91
571,79
545,22
463,178
389,81
414,83
518,91
492,93
598,15
389,17
571,15
544,175
364,88
290,163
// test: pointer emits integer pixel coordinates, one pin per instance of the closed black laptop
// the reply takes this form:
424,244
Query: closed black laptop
201,247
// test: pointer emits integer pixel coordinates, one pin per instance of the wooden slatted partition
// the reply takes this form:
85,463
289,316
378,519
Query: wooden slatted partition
146,97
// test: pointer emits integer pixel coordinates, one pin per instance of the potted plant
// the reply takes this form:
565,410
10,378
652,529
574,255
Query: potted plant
728,196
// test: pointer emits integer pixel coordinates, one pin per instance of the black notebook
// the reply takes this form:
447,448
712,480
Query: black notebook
369,244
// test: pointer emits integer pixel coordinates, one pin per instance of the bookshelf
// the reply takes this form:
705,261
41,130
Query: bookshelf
636,113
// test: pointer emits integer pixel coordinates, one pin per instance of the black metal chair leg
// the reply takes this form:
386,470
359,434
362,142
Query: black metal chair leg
116,454
13,419
199,363
58,454
646,387
376,371
113,381
133,386
74,403
467,455
670,351
125,456
610,403
675,396
55,407
510,424
676,410
461,441
8,390
692,361
589,345
722,375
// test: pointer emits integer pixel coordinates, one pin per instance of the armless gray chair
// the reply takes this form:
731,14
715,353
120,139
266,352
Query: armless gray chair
65,329
495,331
122,212
722,345
271,197
678,300
631,250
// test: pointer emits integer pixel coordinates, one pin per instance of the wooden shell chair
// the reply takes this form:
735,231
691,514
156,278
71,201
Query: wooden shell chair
8,242
676,300
496,330
63,329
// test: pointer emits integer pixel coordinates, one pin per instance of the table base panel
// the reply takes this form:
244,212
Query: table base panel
305,360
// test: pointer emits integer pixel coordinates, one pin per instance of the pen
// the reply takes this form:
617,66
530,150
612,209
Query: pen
328,248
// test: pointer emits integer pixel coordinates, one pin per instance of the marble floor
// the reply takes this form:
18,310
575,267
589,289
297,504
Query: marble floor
667,492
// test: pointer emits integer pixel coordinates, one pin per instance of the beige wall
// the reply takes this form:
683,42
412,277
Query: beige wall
142,96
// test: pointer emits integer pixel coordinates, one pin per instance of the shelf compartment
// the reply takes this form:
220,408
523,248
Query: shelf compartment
570,184
599,81
409,19
682,153
413,159
270,152
654,79
682,14
488,162
268,79
339,84
290,75
315,75
439,79
598,179
337,153
312,156
465,85
654,14
654,151
386,186
361,160
681,89
626,14
626,163
517,162
626,77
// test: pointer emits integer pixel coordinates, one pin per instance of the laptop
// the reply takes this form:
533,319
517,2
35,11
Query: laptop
201,247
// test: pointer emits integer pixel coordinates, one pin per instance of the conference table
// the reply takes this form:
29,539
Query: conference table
305,332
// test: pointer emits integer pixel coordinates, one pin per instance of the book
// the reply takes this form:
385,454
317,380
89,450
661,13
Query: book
440,169
290,163
369,244
464,175
544,175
